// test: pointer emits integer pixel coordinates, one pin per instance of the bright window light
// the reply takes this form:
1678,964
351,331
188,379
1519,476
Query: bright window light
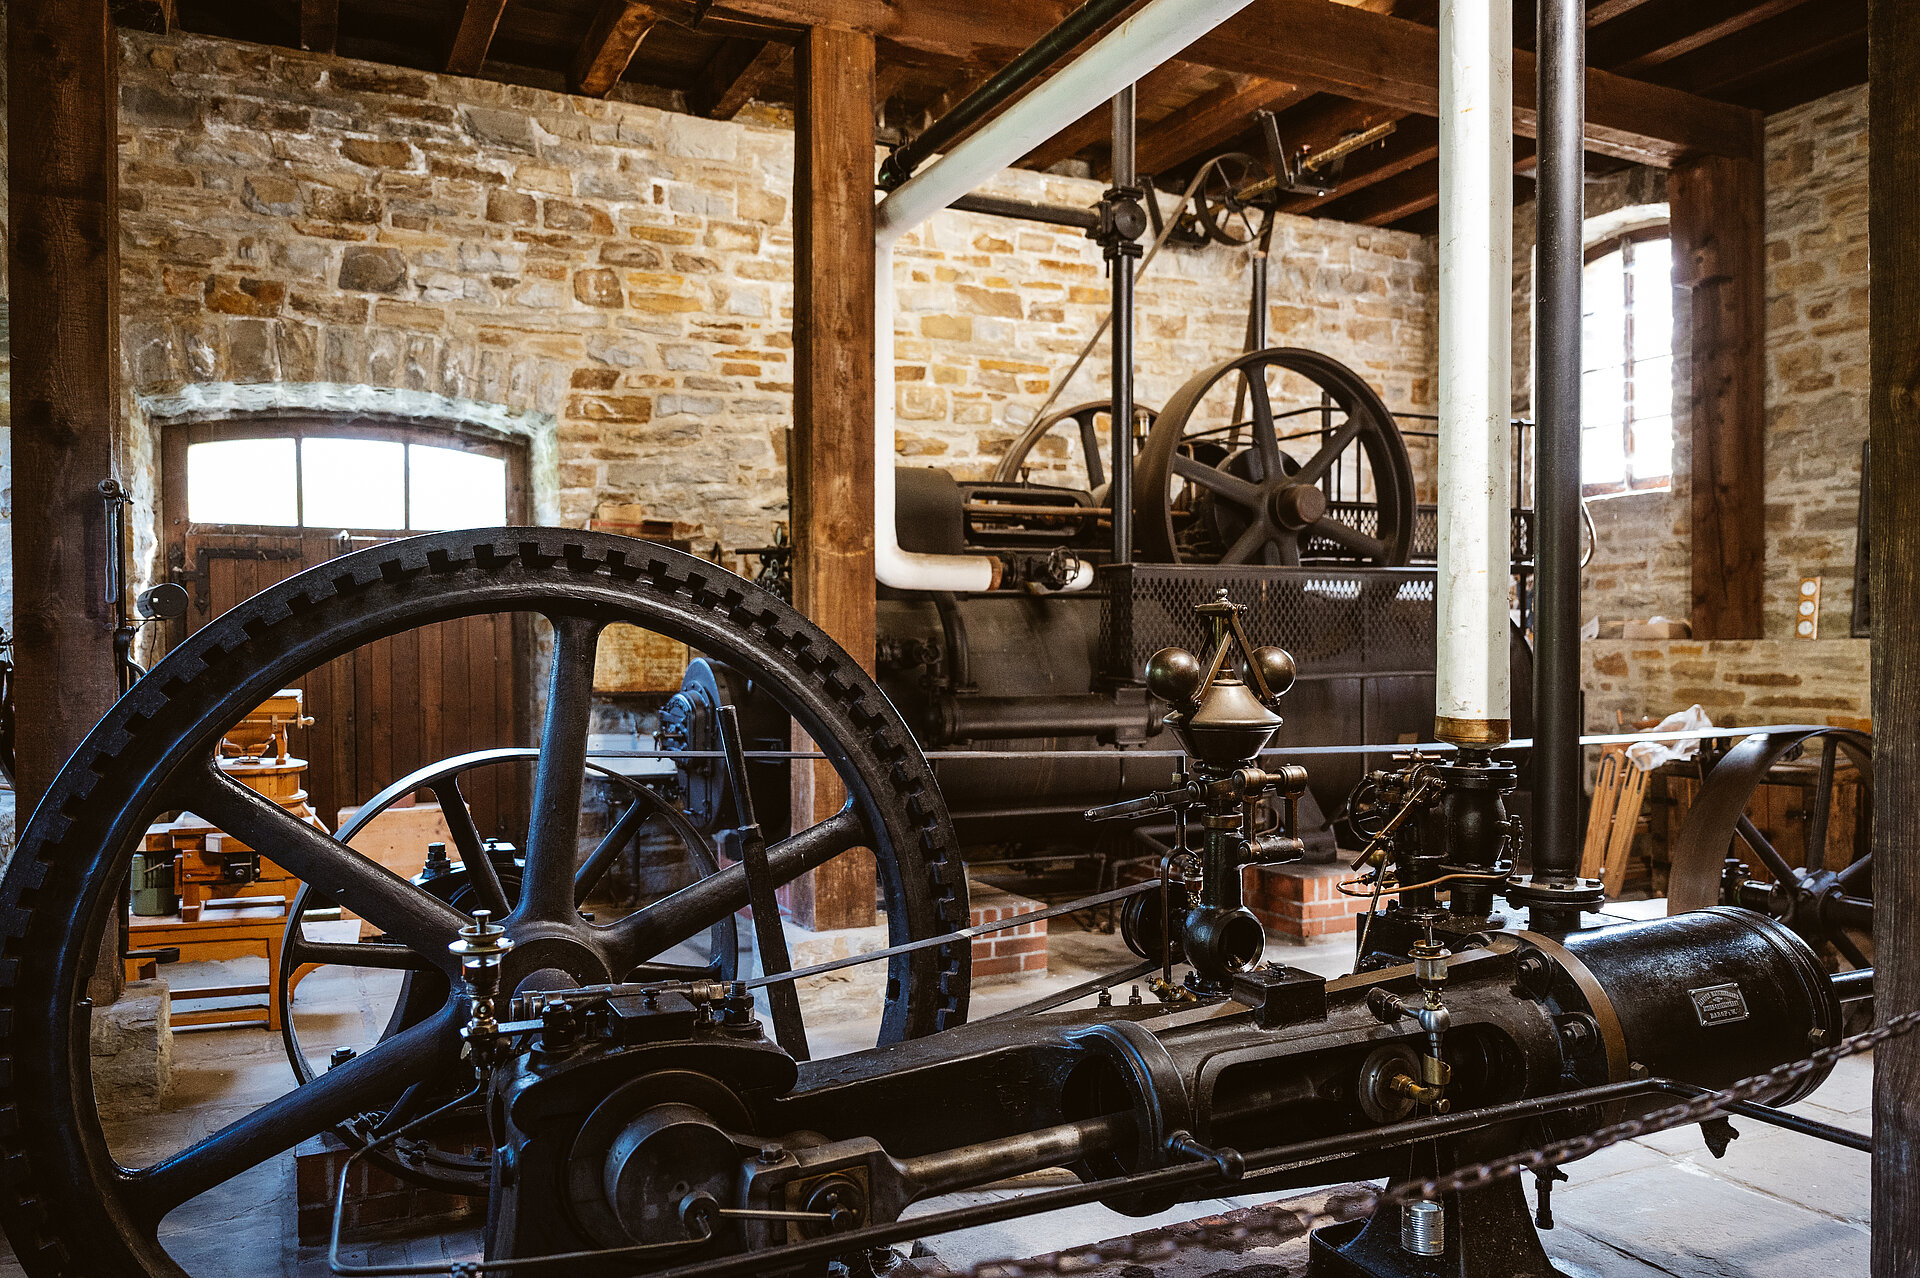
450,488
242,481
1626,332
353,483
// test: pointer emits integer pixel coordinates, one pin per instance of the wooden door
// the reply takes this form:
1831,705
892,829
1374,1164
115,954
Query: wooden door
396,704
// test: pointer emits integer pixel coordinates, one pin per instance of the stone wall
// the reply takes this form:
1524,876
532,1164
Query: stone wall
626,273
1816,403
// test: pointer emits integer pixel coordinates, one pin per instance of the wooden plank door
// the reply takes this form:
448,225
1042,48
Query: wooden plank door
388,707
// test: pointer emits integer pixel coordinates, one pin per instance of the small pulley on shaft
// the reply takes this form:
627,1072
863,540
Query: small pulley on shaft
1223,722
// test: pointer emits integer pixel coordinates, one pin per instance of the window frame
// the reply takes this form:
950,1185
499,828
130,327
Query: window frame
305,423
1622,242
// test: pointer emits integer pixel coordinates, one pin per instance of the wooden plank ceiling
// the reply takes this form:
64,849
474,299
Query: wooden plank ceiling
1671,77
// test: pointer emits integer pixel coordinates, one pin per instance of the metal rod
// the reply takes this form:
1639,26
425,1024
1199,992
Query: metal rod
1560,205
1778,1117
1120,262
1000,87
1853,985
992,1160
1052,214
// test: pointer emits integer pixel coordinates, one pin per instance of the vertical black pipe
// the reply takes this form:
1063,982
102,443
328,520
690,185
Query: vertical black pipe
1560,204
1120,490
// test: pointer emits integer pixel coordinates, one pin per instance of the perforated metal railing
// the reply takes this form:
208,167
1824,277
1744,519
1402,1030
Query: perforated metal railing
1370,621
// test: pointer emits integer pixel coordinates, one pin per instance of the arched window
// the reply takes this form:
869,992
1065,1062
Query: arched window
358,476
1626,422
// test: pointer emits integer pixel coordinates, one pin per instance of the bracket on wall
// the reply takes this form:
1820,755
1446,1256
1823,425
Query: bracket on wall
205,555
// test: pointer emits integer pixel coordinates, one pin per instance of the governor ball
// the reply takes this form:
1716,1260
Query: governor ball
1174,675
1275,666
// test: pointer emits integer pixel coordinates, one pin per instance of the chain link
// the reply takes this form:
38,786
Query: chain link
1284,1224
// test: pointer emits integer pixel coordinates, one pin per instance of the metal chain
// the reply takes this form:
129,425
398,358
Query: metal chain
1284,1224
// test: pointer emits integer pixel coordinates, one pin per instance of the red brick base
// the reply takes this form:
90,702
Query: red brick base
1012,951
1297,901
1301,901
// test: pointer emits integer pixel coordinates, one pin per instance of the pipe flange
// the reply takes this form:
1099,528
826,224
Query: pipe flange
1569,894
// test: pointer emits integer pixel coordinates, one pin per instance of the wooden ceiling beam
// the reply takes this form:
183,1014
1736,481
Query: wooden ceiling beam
319,25
1213,118
612,40
1679,31
738,70
1096,126
473,35
1773,48
1415,190
1350,52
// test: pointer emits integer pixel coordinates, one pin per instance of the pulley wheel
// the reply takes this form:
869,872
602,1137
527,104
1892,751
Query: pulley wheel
1316,473
451,1155
73,1210
1823,903
1083,422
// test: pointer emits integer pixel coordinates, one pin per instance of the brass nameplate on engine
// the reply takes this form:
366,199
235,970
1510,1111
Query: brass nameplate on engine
1719,1004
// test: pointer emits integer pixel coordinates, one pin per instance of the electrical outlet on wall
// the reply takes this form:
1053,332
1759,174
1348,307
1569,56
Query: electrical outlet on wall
1806,619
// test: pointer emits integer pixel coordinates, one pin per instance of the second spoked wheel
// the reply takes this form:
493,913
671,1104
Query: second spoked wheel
1827,899
1279,456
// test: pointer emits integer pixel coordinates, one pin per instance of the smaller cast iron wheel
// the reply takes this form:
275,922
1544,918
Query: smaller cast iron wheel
1326,481
449,1155
1084,422
1822,904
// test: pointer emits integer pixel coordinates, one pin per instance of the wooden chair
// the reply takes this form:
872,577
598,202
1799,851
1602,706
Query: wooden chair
1619,789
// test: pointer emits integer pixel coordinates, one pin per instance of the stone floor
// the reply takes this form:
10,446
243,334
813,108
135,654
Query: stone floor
1777,1206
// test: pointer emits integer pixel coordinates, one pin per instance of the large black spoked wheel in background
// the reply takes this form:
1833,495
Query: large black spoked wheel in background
1319,476
451,1154
1827,904
71,1210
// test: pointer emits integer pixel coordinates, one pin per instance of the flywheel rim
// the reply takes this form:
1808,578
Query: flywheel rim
1374,431
72,1212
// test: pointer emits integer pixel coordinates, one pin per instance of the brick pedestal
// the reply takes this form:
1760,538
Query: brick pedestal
1012,952
1301,901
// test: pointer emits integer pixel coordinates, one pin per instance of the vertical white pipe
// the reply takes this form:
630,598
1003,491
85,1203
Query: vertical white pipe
1472,705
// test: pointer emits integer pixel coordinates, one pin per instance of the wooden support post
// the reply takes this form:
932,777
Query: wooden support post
63,186
1893,122
830,461
1719,249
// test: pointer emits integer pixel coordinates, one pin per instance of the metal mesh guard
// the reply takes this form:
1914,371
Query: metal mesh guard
1374,621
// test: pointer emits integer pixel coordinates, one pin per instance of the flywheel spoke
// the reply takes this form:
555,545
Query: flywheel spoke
1248,544
391,958
1321,462
1350,538
1235,489
1764,849
553,832
473,852
1266,440
595,867
1816,852
353,881
369,1081
658,927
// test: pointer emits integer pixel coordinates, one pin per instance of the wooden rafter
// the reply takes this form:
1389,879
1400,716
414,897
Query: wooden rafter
1214,118
612,40
1773,48
473,35
319,25
1680,31
1096,126
1332,48
738,69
